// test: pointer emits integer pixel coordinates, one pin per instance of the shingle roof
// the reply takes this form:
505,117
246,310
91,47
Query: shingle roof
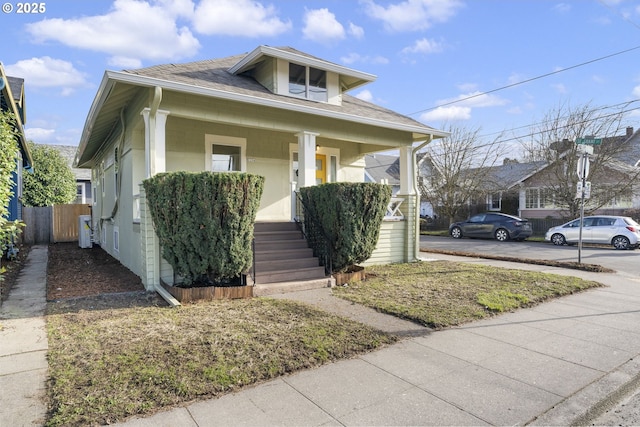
383,167
214,74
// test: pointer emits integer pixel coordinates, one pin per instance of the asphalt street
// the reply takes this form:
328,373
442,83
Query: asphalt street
624,262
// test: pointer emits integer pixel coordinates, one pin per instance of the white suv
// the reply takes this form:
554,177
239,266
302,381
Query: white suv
620,231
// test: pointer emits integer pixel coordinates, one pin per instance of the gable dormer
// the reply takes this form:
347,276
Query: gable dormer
288,72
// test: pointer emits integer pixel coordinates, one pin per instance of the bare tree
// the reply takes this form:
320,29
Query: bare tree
554,142
454,171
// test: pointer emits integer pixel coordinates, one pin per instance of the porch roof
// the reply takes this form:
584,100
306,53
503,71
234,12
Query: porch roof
213,78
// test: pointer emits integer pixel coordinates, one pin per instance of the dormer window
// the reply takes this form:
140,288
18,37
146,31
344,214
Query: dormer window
307,82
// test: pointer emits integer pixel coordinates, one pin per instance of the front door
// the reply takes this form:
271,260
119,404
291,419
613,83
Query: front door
321,169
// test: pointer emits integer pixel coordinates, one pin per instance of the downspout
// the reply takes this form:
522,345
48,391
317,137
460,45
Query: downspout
151,168
414,161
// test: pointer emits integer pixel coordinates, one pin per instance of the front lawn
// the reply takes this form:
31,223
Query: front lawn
109,364
440,294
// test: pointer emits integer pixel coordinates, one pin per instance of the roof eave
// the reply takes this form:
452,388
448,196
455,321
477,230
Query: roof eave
112,77
23,146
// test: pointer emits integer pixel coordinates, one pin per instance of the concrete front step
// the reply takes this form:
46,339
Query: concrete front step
266,289
295,274
263,236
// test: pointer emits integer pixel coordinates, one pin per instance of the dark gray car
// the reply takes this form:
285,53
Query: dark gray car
492,225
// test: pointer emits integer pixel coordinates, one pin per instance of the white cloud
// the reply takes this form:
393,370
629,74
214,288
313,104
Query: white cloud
352,58
424,46
560,88
447,114
562,8
356,31
321,26
40,135
365,95
48,72
132,30
245,18
412,15
636,91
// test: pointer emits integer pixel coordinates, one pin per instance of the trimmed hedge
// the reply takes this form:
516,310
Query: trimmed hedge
348,216
205,223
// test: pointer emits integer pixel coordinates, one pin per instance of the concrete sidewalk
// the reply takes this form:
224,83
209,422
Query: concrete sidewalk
23,346
554,364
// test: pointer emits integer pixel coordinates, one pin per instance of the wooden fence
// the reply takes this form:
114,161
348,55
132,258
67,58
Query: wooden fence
52,224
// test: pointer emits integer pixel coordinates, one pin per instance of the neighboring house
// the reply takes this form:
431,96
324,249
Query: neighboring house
12,100
536,195
383,169
275,112
83,176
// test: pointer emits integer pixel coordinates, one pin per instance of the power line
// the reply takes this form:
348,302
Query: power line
528,80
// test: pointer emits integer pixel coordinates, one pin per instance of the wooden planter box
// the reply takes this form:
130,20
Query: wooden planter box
208,293
356,274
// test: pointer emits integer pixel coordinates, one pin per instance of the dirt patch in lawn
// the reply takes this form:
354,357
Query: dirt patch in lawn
91,279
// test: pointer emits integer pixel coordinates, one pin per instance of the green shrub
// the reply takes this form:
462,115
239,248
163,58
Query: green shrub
348,216
9,230
205,222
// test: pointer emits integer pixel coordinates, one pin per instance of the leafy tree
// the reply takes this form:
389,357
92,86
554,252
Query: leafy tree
455,170
8,155
611,170
52,182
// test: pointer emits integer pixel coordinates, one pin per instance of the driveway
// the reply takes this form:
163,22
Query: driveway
624,262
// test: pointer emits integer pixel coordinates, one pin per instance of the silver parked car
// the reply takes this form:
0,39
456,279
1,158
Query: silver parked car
620,231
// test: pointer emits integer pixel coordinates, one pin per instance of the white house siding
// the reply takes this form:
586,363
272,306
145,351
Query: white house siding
391,244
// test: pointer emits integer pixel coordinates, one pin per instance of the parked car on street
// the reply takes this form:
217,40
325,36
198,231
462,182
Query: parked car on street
492,225
620,231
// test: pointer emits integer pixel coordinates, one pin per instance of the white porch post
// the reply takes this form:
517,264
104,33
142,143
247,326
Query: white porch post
407,171
155,162
408,192
306,158
154,141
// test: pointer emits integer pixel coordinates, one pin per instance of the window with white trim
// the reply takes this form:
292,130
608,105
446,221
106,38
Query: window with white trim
538,198
308,82
225,153
494,201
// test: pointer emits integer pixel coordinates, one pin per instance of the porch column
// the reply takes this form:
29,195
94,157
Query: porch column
306,158
407,171
155,141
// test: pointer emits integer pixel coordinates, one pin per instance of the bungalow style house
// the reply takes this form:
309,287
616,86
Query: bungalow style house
275,112
12,100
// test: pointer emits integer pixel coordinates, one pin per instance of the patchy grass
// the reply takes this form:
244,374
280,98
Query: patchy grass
440,294
106,365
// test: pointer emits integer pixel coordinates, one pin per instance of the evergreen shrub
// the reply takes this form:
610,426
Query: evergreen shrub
349,216
205,223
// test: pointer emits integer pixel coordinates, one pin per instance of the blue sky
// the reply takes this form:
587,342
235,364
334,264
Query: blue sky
425,53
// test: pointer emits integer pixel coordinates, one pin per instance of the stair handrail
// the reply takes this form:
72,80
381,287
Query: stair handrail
300,219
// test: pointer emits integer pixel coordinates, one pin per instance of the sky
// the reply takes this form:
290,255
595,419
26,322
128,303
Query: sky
494,65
